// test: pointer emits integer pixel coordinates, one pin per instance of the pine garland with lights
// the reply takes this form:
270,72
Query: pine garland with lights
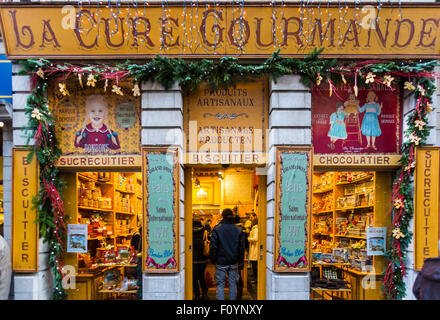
416,77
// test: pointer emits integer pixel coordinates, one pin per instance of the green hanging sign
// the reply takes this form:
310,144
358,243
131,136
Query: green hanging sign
292,202
161,210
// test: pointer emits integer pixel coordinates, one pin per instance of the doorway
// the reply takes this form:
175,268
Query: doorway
208,191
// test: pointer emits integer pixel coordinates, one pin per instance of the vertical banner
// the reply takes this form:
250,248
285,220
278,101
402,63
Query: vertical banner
24,227
160,169
292,209
426,205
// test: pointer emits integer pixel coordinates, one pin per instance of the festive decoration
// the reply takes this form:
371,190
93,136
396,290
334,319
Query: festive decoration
223,73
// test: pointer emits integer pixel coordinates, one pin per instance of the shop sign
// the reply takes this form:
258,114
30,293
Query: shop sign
366,123
292,209
24,216
97,31
426,204
356,160
96,129
161,181
227,125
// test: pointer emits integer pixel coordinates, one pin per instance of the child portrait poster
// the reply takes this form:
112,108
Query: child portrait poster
366,124
92,121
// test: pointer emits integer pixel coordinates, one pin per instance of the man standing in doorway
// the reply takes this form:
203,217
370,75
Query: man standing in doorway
227,252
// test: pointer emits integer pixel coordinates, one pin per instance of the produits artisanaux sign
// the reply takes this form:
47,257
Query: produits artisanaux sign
96,129
24,227
426,205
251,30
227,125
161,183
292,209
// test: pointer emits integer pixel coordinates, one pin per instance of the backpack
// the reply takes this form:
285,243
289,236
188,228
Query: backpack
205,244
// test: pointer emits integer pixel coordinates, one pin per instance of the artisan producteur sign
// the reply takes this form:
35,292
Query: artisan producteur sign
426,204
254,30
24,228
227,125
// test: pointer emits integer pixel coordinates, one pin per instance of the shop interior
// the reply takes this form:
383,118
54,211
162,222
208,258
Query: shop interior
110,204
214,189
344,205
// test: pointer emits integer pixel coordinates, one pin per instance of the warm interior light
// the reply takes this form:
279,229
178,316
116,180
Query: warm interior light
202,194
2,124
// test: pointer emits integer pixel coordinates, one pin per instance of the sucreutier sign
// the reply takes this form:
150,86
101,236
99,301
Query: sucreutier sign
256,30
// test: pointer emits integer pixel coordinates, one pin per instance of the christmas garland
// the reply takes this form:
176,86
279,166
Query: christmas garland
417,78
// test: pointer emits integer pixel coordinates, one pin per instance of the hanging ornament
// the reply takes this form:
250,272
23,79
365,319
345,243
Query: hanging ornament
318,79
429,107
409,86
80,79
421,90
36,114
419,124
398,203
63,89
397,233
116,89
414,139
343,78
370,77
40,73
387,80
136,90
91,81
410,166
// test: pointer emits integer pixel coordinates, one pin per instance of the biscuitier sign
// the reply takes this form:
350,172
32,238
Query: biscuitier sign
97,129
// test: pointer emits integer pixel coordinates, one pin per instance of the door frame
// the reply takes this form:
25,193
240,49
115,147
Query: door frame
262,217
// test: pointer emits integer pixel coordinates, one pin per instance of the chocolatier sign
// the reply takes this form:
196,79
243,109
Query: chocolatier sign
185,29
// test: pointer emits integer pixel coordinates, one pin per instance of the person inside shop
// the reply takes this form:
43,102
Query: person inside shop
208,227
200,261
226,252
240,284
136,240
96,136
253,250
5,269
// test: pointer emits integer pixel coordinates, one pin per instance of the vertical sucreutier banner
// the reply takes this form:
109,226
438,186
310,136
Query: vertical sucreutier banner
160,169
24,228
426,205
292,209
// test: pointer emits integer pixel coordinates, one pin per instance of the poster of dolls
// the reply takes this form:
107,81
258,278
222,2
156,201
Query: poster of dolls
94,121
366,123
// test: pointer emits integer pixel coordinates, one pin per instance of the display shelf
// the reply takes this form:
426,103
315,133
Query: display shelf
94,209
87,178
123,191
323,190
348,236
355,208
118,291
127,213
366,200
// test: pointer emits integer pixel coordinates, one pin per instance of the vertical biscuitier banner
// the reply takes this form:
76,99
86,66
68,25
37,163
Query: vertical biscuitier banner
292,209
160,169
426,205
24,226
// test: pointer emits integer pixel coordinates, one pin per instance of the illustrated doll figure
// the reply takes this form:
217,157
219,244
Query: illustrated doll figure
96,136
337,125
370,124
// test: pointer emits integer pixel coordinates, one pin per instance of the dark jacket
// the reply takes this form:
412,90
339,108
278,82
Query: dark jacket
427,284
198,231
227,244
136,240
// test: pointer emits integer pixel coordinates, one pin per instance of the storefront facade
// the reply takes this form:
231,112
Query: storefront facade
288,116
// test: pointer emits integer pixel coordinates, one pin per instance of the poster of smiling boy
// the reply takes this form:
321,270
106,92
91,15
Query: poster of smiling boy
92,121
